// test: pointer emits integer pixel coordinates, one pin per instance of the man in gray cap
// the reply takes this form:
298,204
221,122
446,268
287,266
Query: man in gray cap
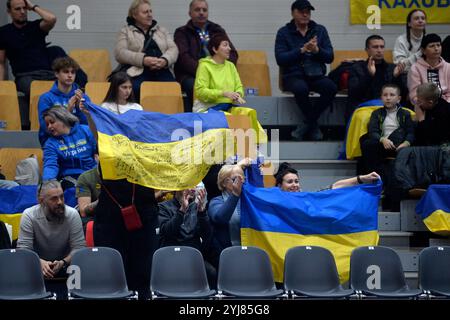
302,48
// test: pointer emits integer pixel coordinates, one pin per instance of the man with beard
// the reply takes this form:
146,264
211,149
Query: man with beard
51,229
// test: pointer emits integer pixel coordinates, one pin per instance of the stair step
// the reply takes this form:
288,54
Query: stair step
409,219
394,238
325,150
389,221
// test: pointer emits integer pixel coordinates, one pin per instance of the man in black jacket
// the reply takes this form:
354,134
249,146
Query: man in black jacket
434,127
183,221
368,77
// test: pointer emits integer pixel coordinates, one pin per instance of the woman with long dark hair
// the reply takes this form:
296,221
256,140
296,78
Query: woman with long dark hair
407,46
120,97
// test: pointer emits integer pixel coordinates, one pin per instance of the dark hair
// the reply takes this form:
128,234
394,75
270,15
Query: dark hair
8,4
117,79
430,38
373,37
65,63
215,42
391,85
283,170
408,28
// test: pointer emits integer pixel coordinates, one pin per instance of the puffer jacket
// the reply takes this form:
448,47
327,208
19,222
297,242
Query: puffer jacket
130,43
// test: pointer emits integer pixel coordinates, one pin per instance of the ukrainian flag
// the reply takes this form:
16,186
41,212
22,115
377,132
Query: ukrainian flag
145,147
15,200
339,220
434,208
358,126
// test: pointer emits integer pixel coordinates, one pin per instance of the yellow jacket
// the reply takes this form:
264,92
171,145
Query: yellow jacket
212,80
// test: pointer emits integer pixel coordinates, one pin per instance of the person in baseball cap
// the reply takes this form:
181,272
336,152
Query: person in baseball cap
301,5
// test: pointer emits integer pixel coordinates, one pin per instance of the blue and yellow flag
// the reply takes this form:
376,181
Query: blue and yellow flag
358,126
339,220
15,200
168,152
434,208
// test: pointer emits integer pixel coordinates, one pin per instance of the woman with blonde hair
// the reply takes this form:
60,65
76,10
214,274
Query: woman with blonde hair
145,49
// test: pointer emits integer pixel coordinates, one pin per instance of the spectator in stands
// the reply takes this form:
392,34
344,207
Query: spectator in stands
287,179
390,129
433,128
430,68
65,92
217,82
87,192
302,48
23,43
224,210
120,97
144,49
192,41
218,85
136,247
70,149
183,221
51,229
407,46
368,77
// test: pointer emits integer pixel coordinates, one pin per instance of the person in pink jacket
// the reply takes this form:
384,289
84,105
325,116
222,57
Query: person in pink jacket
430,68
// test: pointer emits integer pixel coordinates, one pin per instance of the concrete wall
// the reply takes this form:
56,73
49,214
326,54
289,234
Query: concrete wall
251,24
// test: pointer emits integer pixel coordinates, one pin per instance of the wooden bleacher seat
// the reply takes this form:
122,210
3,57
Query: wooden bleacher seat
9,111
96,91
36,90
252,57
95,62
254,71
343,55
9,157
242,122
164,97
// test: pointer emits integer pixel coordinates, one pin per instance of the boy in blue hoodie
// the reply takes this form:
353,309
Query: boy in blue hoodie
64,92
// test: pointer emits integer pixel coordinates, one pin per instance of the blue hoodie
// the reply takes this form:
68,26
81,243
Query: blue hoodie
56,97
69,155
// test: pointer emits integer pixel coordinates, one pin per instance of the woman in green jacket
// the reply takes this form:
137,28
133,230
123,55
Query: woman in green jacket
219,87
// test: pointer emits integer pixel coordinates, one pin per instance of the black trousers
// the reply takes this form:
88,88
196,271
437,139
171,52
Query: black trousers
136,248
